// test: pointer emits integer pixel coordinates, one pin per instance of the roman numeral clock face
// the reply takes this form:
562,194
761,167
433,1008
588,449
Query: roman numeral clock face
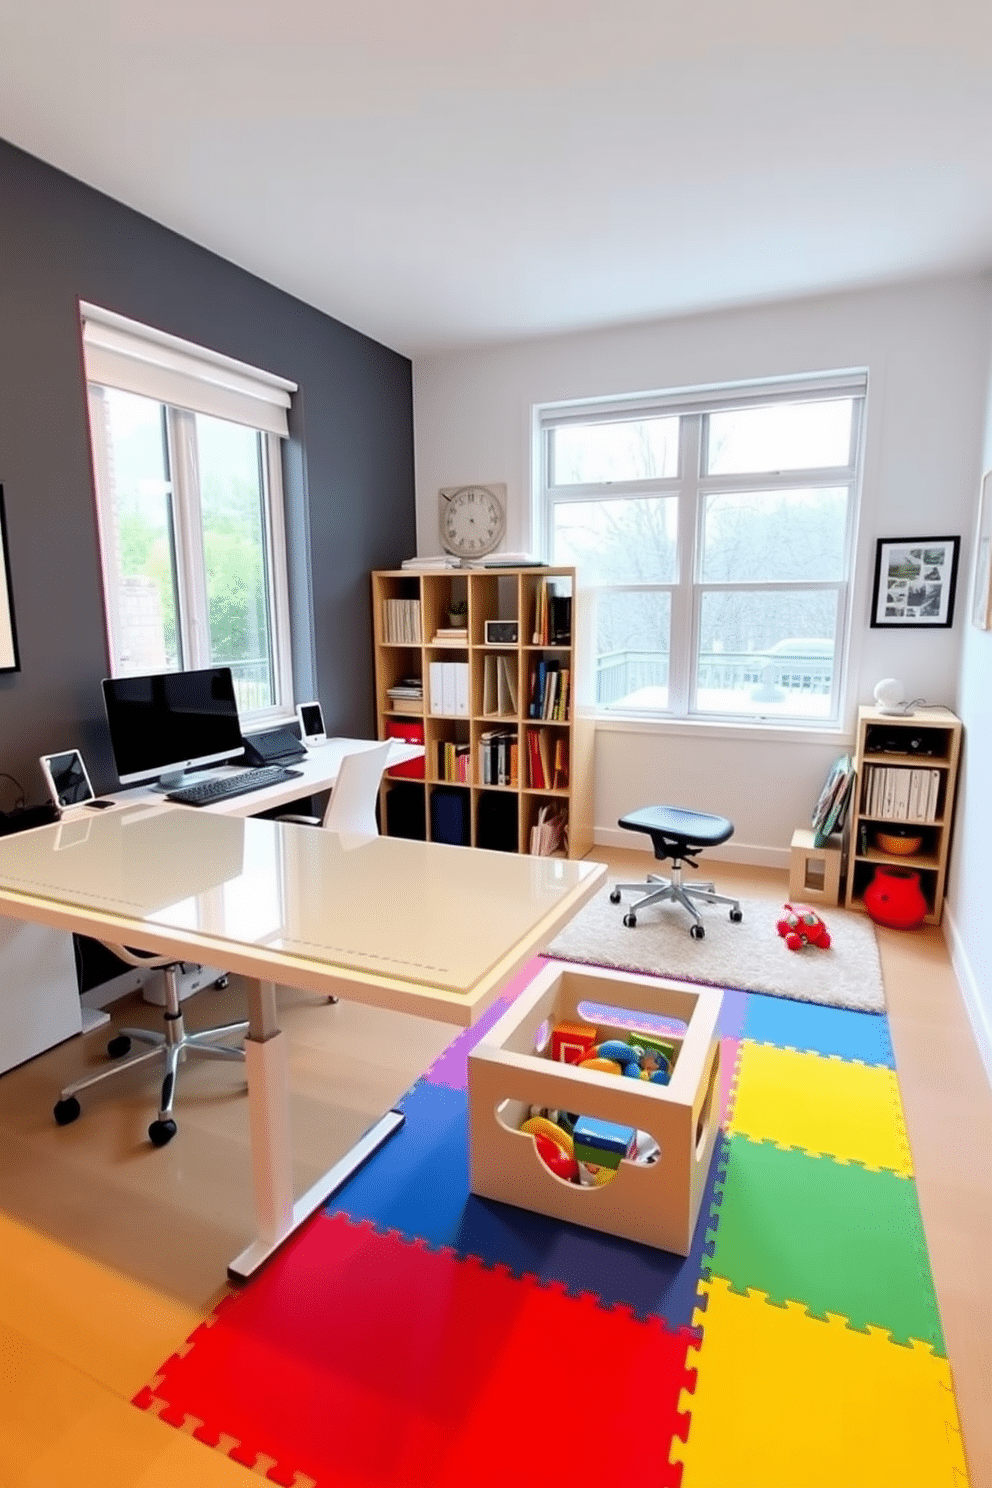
472,519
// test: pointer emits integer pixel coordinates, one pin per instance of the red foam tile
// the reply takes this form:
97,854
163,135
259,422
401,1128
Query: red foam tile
364,1361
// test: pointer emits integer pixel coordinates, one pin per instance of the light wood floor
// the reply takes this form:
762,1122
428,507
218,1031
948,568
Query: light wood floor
112,1252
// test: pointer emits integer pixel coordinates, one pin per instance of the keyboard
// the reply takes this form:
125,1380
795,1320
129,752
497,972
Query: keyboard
206,791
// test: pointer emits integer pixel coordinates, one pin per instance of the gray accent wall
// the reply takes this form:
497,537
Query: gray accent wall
348,463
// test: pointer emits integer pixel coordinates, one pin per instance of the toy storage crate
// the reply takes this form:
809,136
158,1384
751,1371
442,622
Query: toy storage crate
656,1203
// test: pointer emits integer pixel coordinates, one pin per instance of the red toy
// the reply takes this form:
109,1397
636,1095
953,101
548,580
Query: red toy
802,926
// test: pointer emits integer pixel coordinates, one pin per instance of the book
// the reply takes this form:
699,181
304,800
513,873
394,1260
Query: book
506,683
900,795
544,748
535,768
933,796
438,560
509,560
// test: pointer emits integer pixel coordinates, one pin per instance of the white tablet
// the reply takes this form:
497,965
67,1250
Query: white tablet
66,778
311,718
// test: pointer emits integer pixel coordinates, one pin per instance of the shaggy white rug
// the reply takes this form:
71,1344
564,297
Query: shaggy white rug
751,955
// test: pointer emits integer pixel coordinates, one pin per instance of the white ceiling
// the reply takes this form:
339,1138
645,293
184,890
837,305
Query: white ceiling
440,173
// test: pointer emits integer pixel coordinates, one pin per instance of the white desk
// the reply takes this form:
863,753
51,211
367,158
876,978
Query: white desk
418,927
319,770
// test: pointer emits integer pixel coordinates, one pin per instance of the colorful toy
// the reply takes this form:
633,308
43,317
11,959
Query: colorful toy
606,1066
603,1143
656,1076
553,1157
536,1126
571,1042
802,926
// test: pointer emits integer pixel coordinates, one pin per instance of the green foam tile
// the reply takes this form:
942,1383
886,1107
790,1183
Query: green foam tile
833,1236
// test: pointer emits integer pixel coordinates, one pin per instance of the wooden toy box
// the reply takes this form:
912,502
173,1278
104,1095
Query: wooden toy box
656,1203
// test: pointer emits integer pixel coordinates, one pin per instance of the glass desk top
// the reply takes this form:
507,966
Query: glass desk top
385,906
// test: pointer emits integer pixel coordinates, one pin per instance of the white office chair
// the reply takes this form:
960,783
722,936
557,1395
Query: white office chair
351,804
172,1046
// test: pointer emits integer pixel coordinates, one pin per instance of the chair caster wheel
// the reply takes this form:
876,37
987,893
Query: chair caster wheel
66,1111
161,1132
736,915
630,920
615,896
697,932
222,982
119,1045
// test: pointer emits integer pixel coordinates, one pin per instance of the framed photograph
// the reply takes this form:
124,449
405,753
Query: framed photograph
915,578
8,636
981,600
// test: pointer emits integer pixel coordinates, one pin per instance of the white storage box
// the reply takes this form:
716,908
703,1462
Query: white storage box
656,1203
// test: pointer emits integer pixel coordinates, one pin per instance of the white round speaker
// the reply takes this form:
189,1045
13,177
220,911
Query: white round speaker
890,696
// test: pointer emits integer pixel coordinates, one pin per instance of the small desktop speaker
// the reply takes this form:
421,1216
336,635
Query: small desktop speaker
502,632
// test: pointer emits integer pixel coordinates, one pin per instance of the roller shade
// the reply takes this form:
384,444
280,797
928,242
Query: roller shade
137,359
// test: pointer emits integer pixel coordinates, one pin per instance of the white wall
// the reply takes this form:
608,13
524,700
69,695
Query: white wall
968,921
926,347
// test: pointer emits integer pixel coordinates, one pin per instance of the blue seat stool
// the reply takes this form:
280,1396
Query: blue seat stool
679,835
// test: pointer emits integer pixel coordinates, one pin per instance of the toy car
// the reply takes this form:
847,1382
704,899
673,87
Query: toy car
802,926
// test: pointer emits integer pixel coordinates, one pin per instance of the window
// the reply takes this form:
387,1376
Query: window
713,532
186,451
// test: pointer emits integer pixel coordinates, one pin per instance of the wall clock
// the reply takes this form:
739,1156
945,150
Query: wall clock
471,519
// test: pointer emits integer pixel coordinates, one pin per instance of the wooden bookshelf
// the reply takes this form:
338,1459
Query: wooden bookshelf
498,759
928,742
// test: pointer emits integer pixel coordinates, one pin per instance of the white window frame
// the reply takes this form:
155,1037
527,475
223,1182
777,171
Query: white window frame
691,485
187,380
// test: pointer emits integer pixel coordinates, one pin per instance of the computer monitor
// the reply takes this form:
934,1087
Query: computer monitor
164,725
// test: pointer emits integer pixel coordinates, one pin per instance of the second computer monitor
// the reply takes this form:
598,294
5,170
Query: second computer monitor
163,725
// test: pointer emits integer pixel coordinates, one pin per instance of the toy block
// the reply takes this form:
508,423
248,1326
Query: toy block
571,1042
603,1143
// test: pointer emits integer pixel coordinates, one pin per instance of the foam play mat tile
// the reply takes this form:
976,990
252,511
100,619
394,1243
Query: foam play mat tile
783,1400
409,1367
413,1334
832,1236
815,1029
418,1186
849,1111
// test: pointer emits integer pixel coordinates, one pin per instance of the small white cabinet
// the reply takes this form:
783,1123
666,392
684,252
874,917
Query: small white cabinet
39,994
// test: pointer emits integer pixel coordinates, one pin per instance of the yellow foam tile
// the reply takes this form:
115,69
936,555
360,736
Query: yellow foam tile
830,1107
783,1400
111,1327
59,1426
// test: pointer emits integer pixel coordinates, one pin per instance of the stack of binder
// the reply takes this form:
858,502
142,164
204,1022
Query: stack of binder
892,793
449,688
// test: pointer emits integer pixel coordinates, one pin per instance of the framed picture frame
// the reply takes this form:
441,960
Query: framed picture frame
981,599
915,580
9,660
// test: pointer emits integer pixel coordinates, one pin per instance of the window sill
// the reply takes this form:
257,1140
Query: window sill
738,730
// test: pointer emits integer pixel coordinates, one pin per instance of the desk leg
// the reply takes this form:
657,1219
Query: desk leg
267,1062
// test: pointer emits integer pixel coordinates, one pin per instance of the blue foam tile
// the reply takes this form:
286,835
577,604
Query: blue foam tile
812,1028
418,1184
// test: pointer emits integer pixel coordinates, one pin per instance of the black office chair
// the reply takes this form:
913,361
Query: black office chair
171,1046
679,835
